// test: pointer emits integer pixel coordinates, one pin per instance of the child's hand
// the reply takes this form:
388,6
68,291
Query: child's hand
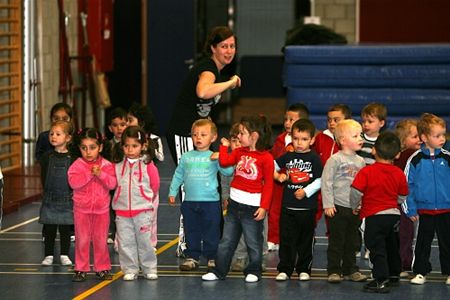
300,194
225,142
225,204
356,211
414,218
259,214
95,170
171,200
283,177
214,156
330,212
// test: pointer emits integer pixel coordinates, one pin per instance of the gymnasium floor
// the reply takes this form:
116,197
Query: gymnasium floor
23,277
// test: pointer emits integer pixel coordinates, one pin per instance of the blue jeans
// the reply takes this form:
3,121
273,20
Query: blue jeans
201,224
240,220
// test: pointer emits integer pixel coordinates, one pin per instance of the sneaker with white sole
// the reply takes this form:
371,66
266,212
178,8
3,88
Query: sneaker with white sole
356,277
447,282
335,278
130,277
189,264
210,277
211,264
303,276
419,279
65,260
282,277
239,265
404,274
251,278
151,276
48,260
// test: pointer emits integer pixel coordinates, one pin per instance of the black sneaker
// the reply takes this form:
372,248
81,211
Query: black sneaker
79,276
104,275
394,281
377,287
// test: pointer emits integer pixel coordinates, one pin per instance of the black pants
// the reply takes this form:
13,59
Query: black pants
381,238
50,236
428,226
341,243
296,240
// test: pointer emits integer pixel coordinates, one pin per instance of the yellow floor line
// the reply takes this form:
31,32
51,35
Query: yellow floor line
19,225
119,274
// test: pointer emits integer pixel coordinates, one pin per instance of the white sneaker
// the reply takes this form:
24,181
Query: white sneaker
447,282
48,261
151,276
272,247
130,277
419,279
210,277
65,260
251,278
282,277
304,276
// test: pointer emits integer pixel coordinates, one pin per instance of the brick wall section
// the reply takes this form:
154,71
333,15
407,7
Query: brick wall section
339,15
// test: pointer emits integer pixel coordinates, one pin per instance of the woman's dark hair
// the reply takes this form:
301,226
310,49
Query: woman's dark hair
145,117
139,134
216,35
61,106
261,125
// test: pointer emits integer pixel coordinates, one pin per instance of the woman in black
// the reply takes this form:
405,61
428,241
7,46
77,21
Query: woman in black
201,91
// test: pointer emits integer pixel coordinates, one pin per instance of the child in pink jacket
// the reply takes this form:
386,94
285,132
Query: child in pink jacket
91,177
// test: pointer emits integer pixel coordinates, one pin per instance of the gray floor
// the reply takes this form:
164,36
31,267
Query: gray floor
22,276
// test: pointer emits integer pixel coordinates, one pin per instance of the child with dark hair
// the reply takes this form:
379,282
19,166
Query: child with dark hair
376,193
138,187
91,177
140,115
283,144
116,123
59,112
250,196
297,221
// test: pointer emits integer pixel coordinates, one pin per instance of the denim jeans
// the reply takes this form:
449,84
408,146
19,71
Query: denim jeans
240,220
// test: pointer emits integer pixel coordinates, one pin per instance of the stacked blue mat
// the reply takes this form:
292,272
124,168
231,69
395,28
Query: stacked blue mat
408,79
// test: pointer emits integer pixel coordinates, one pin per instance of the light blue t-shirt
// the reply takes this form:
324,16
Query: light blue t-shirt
198,173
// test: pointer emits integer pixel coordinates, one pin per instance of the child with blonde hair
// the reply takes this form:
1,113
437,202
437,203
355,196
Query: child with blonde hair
406,130
337,177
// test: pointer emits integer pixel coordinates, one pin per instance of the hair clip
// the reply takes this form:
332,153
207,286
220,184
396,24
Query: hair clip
139,135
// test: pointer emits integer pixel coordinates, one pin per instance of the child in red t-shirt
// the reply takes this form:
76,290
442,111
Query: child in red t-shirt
376,193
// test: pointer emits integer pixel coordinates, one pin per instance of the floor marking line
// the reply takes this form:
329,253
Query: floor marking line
119,274
19,225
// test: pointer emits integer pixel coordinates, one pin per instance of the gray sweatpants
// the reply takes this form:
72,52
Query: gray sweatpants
135,247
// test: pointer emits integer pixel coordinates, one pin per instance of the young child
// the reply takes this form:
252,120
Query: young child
117,122
137,188
376,193
91,177
337,176
373,117
325,145
139,115
250,196
57,206
58,112
406,130
297,221
428,171
201,207
283,143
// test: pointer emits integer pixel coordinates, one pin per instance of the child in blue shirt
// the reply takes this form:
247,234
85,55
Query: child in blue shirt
201,207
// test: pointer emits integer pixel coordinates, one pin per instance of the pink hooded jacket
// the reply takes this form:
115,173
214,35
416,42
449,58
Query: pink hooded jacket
91,193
